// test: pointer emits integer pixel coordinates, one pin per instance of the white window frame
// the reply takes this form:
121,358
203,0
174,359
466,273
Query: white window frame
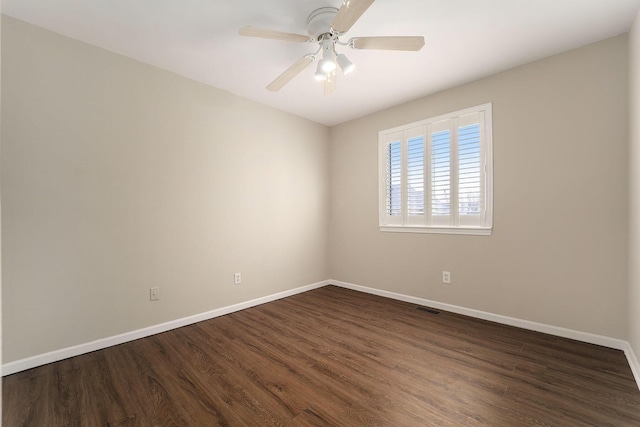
453,223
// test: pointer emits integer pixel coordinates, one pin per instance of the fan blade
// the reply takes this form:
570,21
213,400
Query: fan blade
349,13
388,43
330,84
290,73
272,34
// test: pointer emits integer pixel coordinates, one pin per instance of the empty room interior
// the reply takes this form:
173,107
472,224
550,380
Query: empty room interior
320,213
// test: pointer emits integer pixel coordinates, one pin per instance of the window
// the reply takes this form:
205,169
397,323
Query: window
436,175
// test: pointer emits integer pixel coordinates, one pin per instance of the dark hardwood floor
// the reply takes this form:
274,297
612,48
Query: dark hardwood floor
332,357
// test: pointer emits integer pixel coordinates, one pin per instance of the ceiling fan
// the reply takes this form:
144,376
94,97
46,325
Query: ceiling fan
325,26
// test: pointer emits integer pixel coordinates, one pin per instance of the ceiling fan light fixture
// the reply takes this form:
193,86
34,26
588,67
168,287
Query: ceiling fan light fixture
345,65
327,65
320,74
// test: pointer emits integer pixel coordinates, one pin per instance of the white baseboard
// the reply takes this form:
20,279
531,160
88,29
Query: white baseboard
633,363
65,353
511,321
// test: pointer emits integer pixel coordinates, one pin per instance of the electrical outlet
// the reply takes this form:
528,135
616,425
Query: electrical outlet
154,294
446,277
237,278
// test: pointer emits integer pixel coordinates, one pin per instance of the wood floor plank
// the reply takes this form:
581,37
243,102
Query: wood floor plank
332,357
312,417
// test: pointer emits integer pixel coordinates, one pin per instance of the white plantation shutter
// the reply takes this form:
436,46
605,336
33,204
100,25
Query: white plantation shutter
393,179
469,169
436,175
471,203
415,185
415,177
440,170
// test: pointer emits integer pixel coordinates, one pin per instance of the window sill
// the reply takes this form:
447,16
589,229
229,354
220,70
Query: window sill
471,231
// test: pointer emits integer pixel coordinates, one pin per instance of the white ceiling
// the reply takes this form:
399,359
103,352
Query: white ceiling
465,40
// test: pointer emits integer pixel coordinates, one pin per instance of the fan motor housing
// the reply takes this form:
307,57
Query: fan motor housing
319,22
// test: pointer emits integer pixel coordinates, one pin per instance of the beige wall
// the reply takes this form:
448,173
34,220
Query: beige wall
634,187
558,253
117,176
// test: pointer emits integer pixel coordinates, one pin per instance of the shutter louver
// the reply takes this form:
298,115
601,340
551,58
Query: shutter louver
441,173
415,176
394,179
469,175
